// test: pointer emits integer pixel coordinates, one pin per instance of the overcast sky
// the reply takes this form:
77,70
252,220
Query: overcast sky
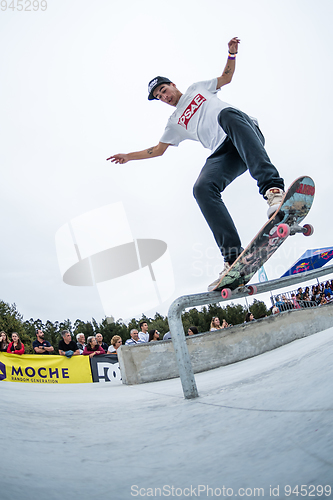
74,91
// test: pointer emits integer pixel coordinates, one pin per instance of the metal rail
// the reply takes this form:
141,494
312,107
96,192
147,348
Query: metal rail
176,326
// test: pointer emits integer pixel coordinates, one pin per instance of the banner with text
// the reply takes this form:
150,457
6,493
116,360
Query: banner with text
105,368
42,369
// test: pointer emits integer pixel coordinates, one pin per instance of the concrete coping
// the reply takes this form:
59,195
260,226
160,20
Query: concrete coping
156,360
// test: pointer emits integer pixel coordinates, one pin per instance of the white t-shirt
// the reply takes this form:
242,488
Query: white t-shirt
195,117
144,337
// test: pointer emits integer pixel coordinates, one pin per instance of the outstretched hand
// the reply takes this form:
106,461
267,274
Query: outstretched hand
119,158
233,45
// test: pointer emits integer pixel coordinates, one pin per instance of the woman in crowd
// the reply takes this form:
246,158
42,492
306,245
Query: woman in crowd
4,341
153,336
15,346
92,348
192,330
215,324
249,317
116,342
294,301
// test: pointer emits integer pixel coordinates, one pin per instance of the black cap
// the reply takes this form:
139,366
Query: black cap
155,82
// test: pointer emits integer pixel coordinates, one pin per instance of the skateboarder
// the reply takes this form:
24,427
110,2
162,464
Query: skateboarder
235,141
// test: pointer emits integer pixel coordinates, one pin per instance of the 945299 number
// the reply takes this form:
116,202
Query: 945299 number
23,5
308,491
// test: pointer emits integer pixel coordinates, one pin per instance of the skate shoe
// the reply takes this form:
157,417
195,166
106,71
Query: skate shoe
274,197
226,268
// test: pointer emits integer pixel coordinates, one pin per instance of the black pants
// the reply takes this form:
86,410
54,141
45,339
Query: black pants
242,149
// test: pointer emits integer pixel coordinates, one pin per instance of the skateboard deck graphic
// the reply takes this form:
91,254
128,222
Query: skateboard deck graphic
293,209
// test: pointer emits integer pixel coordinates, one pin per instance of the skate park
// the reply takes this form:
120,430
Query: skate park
259,425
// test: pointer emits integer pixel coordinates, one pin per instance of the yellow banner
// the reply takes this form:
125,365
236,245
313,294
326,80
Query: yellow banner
44,369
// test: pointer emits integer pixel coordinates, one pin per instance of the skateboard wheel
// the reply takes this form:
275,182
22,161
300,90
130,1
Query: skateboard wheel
283,230
226,293
309,229
252,289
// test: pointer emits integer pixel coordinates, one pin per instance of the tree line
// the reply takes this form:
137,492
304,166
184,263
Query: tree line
12,321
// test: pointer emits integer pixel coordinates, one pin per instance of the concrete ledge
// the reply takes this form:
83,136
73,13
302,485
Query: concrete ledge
156,361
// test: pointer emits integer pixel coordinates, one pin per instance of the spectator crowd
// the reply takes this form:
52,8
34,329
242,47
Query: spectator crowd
93,346
317,295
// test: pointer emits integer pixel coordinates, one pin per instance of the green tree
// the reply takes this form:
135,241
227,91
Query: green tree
234,314
259,309
159,323
108,330
52,334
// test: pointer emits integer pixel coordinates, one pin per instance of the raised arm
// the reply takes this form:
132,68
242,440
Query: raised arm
158,150
229,69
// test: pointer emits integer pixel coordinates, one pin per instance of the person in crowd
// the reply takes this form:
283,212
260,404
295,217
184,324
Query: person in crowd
191,331
134,338
327,289
306,299
144,335
81,342
318,294
215,324
225,324
329,298
67,346
116,342
275,310
287,304
323,300
300,292
4,341
249,317
153,335
299,300
99,340
40,345
15,346
313,293
279,303
294,301
92,348
167,336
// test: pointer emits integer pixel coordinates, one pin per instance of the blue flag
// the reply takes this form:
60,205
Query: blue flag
262,274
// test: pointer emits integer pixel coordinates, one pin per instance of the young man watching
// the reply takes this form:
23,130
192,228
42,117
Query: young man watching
144,335
40,345
235,141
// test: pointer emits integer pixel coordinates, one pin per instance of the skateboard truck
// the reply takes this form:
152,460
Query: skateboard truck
226,293
284,230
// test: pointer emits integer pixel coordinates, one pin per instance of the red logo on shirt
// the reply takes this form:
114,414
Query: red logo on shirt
191,109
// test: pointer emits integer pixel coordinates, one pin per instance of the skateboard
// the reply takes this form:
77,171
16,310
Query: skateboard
285,221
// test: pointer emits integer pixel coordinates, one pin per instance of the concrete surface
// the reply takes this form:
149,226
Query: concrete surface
265,422
156,360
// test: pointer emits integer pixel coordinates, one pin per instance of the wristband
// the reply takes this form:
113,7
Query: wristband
232,56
